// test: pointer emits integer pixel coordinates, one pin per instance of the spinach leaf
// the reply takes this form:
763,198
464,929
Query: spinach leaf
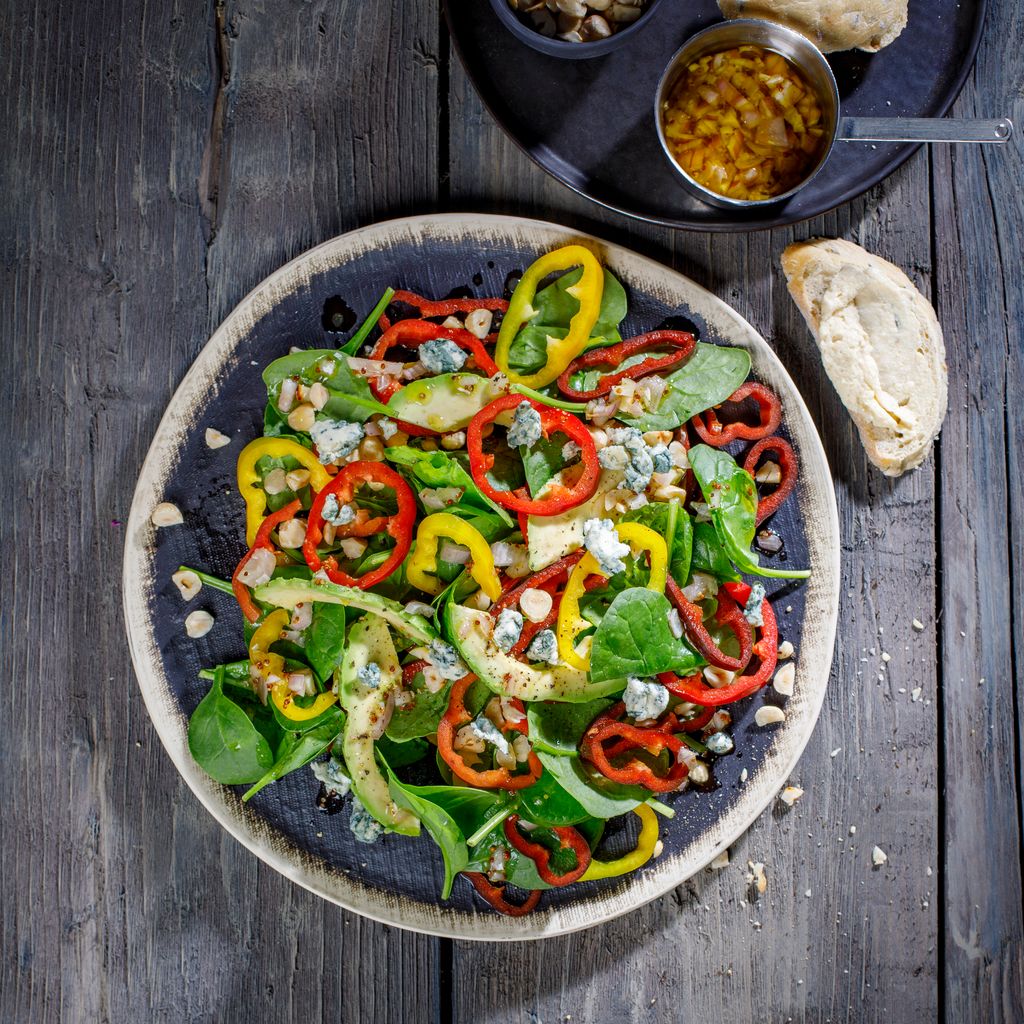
421,717
555,308
710,376
399,755
299,750
224,741
731,495
437,807
557,728
600,798
657,516
708,554
325,639
547,803
350,395
634,639
438,469
542,462
351,347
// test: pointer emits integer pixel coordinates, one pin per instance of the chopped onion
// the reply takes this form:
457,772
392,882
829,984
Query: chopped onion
374,367
702,586
259,567
454,553
286,398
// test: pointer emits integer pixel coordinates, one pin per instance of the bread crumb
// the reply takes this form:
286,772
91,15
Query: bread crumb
790,795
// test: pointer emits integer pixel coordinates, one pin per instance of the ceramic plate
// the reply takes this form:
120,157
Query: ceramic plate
397,879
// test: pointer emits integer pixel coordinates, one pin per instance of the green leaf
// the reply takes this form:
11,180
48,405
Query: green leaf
350,395
710,376
557,728
325,639
300,750
438,469
445,812
555,308
351,347
634,639
657,515
542,462
600,798
546,802
421,717
731,495
708,554
399,755
224,741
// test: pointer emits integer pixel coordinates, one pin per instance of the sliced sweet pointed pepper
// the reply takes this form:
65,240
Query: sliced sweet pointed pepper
569,841
716,434
560,351
788,465
423,564
262,540
637,858
495,896
250,485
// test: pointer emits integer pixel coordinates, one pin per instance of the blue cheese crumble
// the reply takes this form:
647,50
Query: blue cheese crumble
719,743
752,610
365,827
442,356
369,675
334,439
508,629
443,657
330,773
484,729
601,540
661,458
526,427
644,700
337,515
543,647
641,463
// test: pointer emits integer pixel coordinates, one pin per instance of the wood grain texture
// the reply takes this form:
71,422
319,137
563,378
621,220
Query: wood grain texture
978,213
147,184
158,161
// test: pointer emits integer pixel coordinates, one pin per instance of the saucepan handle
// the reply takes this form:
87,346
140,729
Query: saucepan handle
924,129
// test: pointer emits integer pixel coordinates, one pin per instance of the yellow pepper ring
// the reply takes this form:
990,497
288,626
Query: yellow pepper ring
560,351
267,665
423,563
637,536
250,485
645,844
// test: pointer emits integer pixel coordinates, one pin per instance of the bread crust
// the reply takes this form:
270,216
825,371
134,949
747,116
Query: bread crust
830,24
880,343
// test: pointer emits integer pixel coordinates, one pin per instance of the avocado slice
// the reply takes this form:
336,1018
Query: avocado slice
287,593
445,402
470,631
552,537
370,641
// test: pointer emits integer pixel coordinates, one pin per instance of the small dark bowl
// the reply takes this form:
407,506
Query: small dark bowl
554,47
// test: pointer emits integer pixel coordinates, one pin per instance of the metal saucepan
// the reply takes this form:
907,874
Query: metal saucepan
815,68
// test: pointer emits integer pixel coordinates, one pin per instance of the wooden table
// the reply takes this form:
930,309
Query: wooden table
161,159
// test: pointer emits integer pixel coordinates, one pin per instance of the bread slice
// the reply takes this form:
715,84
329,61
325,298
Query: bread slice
881,345
830,24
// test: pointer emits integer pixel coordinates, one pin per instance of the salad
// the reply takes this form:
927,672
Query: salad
493,585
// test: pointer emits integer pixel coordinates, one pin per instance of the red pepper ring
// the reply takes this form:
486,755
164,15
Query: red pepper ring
553,421
412,334
261,540
457,716
495,895
554,573
693,620
714,433
614,355
568,839
789,466
446,307
635,772
694,689
399,526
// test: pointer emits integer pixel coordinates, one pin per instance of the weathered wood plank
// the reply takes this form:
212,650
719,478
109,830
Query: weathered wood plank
140,202
864,942
979,222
